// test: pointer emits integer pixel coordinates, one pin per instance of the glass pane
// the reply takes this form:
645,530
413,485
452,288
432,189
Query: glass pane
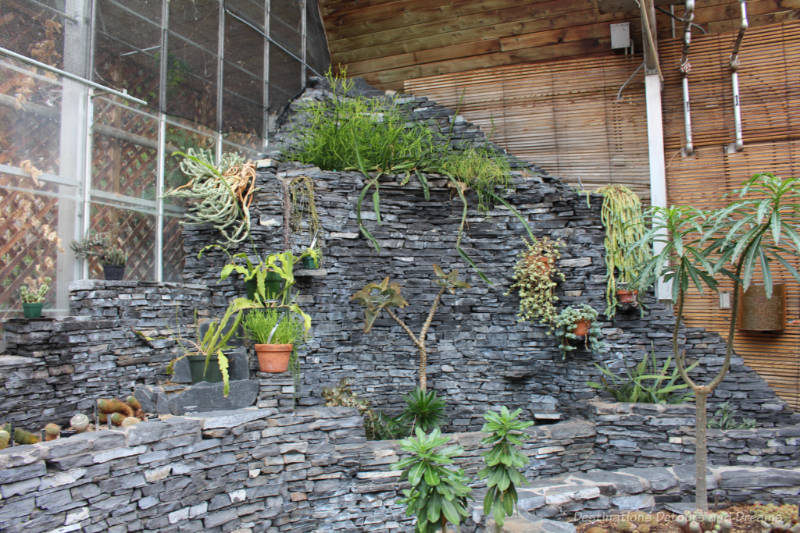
244,47
285,24
172,253
127,50
249,152
196,20
136,232
250,10
317,55
243,111
43,35
30,118
124,151
29,236
191,82
284,78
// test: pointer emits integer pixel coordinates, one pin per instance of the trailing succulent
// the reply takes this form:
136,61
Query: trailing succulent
536,277
564,329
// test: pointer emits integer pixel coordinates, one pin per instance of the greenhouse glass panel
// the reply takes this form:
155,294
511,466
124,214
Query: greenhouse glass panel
196,21
191,82
30,117
43,21
128,49
124,151
134,231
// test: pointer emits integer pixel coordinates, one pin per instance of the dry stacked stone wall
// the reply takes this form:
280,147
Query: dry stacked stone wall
480,355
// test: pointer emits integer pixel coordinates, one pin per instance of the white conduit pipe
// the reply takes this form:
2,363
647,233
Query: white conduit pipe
685,68
737,108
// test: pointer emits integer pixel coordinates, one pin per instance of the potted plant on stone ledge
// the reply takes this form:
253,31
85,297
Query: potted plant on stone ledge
108,251
276,335
32,295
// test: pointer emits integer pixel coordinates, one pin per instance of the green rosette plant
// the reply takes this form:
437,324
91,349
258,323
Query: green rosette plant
438,494
504,462
424,410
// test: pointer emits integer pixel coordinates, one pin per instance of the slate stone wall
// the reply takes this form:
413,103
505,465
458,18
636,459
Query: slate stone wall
641,435
308,470
120,337
250,469
480,355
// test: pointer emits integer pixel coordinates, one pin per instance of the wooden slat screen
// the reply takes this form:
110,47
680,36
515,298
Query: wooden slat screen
562,116
769,78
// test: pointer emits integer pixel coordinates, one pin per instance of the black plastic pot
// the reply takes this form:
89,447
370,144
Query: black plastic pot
113,272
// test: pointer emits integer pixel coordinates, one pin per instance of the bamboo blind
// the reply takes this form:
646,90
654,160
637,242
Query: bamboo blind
561,116
769,78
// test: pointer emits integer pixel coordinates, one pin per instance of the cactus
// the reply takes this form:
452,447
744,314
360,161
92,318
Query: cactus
136,406
117,418
52,431
79,422
113,405
5,438
25,437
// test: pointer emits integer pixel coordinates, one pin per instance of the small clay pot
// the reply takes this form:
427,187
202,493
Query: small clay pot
582,327
273,358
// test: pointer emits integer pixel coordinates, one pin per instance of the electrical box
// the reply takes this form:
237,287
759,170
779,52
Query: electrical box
621,35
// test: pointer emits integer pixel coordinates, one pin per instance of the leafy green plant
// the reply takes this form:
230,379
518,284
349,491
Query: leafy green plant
481,170
504,462
536,277
622,219
724,419
438,493
215,340
282,264
376,297
692,247
565,325
424,410
35,290
645,383
220,194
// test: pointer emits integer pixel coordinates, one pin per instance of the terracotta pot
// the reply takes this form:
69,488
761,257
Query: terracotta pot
625,296
273,357
582,327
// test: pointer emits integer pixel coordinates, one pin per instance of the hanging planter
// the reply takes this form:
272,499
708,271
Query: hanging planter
759,313
576,323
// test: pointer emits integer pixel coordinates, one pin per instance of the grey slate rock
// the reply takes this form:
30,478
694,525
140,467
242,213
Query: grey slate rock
204,396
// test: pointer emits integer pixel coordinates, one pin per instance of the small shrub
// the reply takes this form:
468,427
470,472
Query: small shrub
504,462
438,494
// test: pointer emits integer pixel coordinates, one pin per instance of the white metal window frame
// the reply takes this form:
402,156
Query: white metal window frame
80,18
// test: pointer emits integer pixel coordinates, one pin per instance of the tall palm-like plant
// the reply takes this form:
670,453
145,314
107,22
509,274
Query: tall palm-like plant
695,246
